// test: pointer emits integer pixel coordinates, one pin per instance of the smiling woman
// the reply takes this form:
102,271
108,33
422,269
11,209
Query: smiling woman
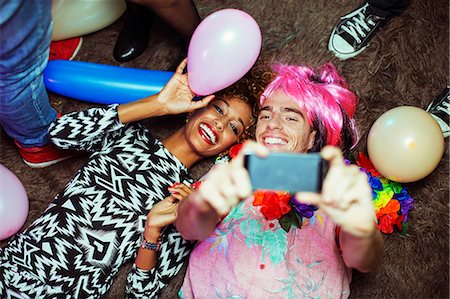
95,224
218,126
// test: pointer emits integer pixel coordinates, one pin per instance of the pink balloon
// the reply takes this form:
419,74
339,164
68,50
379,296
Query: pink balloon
13,203
222,50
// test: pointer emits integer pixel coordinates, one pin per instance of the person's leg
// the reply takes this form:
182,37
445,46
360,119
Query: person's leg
181,15
439,108
133,37
386,8
354,31
25,111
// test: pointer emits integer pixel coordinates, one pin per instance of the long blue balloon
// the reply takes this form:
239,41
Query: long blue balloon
104,84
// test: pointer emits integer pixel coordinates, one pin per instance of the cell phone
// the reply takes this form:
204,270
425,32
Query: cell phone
290,172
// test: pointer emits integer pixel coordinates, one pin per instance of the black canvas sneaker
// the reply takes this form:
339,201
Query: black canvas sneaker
440,110
353,33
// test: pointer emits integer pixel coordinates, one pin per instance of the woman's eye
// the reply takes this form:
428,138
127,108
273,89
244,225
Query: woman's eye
235,129
218,109
264,117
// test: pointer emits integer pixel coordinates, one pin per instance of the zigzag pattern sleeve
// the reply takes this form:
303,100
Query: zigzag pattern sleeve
172,256
86,130
143,284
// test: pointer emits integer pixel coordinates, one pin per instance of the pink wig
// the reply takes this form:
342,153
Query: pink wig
328,105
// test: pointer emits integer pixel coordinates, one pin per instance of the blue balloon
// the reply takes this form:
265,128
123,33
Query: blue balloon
103,84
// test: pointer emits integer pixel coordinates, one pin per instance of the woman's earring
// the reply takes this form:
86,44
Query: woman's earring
188,117
222,158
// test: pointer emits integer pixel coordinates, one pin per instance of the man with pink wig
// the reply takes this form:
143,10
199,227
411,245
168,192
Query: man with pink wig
245,250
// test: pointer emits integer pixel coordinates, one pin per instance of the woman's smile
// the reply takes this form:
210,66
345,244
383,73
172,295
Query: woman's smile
208,133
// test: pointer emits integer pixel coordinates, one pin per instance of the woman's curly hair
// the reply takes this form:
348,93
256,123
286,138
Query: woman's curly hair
249,90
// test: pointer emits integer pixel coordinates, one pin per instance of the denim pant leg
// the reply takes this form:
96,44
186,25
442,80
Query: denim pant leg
25,35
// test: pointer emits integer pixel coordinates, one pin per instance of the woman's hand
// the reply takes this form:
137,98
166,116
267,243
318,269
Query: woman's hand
161,214
165,212
177,97
346,196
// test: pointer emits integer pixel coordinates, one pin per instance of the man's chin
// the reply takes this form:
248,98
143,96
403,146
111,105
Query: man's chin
278,148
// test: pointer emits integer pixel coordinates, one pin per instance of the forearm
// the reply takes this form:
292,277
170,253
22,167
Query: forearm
362,253
194,224
141,109
85,130
146,258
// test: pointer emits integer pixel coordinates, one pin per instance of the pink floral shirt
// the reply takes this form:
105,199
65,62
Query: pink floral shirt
248,256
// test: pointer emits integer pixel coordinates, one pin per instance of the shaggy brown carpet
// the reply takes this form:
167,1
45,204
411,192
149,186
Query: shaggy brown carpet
406,64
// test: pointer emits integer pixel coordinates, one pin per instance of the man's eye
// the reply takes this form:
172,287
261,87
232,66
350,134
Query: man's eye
218,109
264,117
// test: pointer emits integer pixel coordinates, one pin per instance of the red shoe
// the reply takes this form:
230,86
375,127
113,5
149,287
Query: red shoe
43,156
65,49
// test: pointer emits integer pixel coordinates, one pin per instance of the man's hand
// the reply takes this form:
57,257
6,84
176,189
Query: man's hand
224,187
227,184
346,196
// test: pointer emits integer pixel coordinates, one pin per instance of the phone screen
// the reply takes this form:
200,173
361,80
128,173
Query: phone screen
286,171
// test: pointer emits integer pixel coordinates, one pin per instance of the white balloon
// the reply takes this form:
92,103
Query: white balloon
73,18
405,144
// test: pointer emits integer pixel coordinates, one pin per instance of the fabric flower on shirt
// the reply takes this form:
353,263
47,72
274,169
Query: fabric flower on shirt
304,210
273,204
231,154
235,150
282,206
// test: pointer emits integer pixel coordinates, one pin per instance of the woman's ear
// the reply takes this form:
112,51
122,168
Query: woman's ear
311,139
188,116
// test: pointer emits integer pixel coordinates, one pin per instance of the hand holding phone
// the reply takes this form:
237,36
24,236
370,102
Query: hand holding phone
290,172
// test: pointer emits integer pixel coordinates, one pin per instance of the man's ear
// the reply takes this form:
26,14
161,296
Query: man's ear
311,139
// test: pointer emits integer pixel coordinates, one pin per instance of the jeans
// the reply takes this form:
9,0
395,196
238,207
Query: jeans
25,36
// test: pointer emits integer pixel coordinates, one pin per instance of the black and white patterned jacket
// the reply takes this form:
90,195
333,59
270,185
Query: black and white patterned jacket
92,227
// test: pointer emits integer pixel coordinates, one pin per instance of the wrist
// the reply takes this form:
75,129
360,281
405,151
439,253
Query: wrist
158,99
364,233
152,234
155,106
150,244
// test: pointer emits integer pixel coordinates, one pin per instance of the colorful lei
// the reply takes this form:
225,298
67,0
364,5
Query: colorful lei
391,201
